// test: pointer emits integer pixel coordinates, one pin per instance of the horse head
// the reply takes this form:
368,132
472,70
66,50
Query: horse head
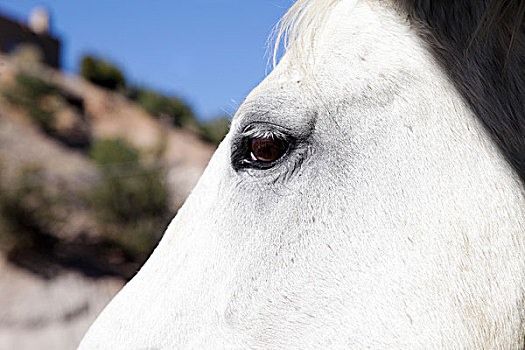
360,200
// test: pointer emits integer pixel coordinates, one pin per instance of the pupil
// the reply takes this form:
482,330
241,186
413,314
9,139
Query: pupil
266,149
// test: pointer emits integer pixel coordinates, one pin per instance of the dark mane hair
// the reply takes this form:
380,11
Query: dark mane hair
481,46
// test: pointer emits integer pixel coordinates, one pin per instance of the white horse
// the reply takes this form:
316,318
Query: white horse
367,196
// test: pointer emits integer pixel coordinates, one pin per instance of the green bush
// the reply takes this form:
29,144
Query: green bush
43,101
102,73
26,209
109,152
162,106
131,198
29,93
129,192
36,86
214,130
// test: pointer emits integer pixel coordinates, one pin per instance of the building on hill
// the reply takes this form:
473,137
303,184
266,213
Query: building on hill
36,34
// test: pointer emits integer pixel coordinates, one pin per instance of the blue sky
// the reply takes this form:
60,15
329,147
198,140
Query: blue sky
209,52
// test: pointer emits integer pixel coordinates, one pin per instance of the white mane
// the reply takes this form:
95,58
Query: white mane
296,30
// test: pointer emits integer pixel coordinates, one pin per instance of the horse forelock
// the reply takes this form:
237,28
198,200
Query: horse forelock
297,28
480,44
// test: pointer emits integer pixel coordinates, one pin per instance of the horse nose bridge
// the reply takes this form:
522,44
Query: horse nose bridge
146,309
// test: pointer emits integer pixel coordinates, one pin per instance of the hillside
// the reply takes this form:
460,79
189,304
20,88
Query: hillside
60,260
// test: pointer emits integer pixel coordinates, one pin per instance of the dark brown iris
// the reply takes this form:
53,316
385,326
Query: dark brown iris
267,149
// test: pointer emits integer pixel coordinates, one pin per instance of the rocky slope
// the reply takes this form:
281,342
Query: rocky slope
52,290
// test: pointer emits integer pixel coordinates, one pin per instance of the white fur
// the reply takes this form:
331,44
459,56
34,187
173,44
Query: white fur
401,228
299,26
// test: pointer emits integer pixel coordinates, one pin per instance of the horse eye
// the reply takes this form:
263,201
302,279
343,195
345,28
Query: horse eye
267,149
